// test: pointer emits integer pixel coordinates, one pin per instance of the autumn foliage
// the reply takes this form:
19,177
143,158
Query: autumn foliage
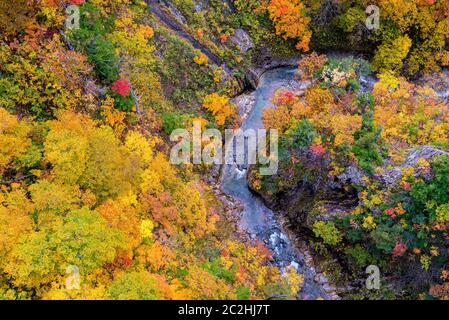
290,22
85,184
121,87
336,125
220,107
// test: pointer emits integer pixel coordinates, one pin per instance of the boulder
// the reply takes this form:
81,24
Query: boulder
352,175
242,39
176,13
245,103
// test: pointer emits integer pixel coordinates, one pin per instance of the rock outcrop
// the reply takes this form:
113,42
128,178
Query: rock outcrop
307,202
245,103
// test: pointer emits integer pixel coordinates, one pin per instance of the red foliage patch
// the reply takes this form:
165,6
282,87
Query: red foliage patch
406,185
399,249
121,87
317,150
285,98
391,212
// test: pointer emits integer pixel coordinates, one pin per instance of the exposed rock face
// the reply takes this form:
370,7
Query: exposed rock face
352,175
159,9
391,177
242,39
328,210
307,202
176,13
260,67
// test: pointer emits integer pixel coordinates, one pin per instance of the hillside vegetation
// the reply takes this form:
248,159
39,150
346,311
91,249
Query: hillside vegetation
86,186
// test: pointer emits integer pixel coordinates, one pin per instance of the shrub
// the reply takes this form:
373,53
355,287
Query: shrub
300,135
361,257
92,39
121,87
101,53
368,147
243,293
350,18
173,121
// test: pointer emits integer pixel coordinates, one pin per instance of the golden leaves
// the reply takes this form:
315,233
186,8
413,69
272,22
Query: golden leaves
13,138
290,22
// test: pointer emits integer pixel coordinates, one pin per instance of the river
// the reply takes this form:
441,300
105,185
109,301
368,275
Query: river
258,220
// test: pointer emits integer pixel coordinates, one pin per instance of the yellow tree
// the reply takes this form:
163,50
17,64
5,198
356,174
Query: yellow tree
123,216
90,156
15,220
220,107
202,285
51,200
140,286
390,56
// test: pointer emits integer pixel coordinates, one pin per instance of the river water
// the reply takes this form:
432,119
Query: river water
258,220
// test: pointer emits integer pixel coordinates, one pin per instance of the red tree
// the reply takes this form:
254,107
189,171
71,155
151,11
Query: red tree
121,87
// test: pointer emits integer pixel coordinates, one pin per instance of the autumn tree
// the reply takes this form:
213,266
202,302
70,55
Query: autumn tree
89,156
14,139
205,286
15,210
85,183
390,56
16,16
291,22
409,114
52,200
81,238
122,215
220,107
27,87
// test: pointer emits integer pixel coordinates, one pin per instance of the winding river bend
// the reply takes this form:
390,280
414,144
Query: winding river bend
258,220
